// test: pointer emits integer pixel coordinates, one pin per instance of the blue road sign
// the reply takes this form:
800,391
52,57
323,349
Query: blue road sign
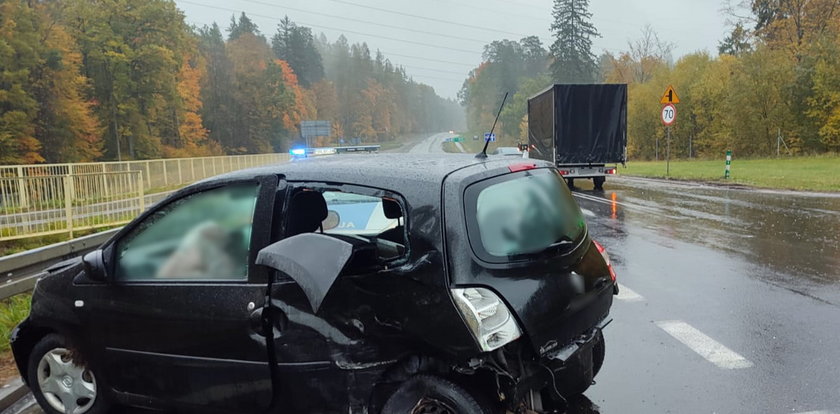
490,137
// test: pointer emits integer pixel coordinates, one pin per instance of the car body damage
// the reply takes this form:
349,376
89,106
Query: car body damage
350,281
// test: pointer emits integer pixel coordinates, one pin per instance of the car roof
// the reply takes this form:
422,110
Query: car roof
387,171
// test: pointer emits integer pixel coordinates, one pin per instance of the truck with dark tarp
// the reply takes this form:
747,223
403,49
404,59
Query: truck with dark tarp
582,129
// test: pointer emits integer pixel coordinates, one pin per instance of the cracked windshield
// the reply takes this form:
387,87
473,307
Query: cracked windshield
416,207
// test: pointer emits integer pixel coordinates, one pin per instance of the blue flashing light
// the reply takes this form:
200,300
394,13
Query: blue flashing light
298,151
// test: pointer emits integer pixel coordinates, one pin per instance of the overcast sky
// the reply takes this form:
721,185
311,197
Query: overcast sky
439,41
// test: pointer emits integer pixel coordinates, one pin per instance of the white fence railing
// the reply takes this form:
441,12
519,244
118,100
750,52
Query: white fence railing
68,203
43,199
157,174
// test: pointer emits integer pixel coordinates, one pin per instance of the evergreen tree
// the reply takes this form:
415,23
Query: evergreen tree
572,49
296,45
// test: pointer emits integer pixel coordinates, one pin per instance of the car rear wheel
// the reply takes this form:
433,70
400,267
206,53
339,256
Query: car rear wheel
60,383
429,394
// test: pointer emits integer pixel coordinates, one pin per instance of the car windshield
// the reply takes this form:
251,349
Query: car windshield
526,213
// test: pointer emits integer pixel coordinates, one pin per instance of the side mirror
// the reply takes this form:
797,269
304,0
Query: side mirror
95,265
312,260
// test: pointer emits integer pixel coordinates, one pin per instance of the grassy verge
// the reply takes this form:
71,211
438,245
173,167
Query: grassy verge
13,310
817,173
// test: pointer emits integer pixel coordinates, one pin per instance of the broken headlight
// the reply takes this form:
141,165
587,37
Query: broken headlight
488,317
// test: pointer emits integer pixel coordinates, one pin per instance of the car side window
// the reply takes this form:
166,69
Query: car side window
375,225
203,236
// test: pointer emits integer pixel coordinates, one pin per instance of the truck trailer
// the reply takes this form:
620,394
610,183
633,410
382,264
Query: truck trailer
580,128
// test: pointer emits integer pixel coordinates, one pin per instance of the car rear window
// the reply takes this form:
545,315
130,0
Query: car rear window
521,214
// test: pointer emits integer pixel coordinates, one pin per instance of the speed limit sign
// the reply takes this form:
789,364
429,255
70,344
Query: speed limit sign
669,114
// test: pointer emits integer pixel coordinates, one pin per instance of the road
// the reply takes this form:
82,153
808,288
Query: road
730,298
432,144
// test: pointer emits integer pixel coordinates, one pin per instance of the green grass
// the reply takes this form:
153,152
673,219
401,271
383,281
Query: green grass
816,173
14,310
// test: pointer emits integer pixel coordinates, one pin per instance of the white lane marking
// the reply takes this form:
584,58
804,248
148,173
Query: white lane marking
708,348
817,412
628,295
589,213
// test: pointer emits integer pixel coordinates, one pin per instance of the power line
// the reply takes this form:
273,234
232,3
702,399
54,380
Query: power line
431,19
429,59
368,22
335,28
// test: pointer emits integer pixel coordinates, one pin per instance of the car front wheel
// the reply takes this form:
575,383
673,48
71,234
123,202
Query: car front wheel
60,382
429,394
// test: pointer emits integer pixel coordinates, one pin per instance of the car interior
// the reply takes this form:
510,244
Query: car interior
308,210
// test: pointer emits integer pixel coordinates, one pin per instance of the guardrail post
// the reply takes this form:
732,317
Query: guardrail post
140,193
23,194
105,182
180,176
165,178
148,174
68,203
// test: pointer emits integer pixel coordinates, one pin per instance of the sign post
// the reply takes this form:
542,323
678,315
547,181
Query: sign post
728,163
668,116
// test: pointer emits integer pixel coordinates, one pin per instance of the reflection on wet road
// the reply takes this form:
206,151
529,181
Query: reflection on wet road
730,299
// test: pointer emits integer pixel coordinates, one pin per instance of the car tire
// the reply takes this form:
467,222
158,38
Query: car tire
432,394
60,384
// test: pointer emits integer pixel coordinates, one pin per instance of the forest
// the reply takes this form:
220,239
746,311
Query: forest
95,80
772,87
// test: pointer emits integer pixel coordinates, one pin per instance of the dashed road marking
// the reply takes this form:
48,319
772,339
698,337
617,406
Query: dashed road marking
628,295
818,412
708,348
589,213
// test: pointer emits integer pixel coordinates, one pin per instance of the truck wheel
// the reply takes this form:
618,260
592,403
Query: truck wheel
599,183
60,383
422,394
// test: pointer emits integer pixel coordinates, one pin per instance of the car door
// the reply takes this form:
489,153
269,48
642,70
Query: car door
180,321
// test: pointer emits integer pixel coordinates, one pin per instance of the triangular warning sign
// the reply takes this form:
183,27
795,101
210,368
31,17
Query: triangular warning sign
670,96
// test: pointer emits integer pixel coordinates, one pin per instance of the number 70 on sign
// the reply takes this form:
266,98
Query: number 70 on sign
669,114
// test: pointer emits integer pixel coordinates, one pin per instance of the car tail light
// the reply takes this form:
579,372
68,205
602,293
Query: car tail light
521,167
564,172
606,256
487,316
610,171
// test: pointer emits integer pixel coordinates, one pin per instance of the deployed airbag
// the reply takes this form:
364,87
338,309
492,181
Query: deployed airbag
312,260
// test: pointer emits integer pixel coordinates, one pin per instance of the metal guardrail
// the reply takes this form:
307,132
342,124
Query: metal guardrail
21,270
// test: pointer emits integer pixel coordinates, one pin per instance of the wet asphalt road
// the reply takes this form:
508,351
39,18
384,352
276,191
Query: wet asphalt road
730,301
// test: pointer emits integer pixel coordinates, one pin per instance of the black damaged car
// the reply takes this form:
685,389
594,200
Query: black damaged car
360,284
